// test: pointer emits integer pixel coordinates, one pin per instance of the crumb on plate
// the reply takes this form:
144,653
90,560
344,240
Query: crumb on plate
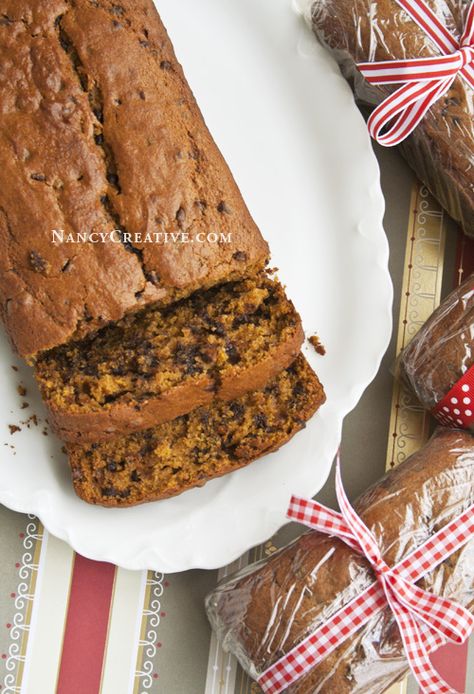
317,344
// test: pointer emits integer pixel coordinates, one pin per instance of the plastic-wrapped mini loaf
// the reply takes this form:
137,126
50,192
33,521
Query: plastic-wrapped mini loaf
441,149
443,349
261,614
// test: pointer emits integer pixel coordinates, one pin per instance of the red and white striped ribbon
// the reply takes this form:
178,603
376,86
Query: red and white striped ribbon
425,621
424,80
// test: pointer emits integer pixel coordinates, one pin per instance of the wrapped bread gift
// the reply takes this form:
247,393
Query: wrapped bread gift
438,361
262,614
441,147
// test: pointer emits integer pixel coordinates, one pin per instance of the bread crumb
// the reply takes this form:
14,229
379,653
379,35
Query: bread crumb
31,420
24,405
317,344
15,368
14,428
21,390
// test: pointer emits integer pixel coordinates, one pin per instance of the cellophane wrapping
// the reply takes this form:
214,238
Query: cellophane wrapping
441,149
443,349
261,613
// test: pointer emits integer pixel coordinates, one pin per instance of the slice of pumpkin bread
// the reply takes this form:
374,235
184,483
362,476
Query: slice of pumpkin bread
209,442
159,364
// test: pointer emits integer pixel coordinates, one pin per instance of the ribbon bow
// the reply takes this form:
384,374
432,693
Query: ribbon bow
424,80
425,621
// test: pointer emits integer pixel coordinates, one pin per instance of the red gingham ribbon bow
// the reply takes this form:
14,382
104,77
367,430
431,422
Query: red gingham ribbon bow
424,79
425,621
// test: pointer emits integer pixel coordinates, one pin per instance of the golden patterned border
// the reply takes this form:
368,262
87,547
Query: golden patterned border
420,295
147,648
26,591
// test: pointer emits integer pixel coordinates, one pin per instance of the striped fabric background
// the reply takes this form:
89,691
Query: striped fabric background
72,626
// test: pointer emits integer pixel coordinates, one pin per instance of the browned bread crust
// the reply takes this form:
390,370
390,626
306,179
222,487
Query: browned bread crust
263,614
441,149
443,349
205,444
99,130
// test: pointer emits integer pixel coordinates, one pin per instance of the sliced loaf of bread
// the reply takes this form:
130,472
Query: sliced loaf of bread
211,441
164,362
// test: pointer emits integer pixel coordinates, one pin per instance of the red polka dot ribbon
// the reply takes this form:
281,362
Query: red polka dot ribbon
424,80
425,621
456,409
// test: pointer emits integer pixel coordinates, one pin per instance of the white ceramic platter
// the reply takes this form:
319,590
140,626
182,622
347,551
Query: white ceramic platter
286,123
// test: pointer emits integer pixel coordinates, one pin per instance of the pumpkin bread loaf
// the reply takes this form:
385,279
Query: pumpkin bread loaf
159,364
147,343
441,148
99,131
442,351
260,615
211,441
